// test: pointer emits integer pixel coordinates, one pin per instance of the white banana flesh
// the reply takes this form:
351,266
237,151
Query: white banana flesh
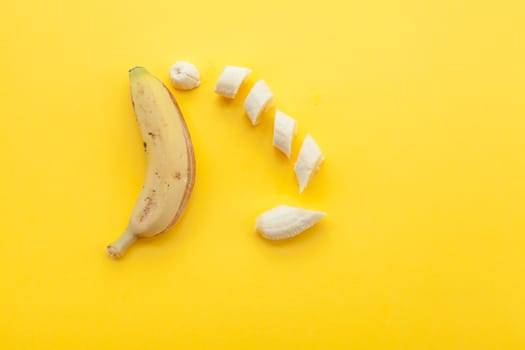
184,76
259,99
231,80
284,129
285,221
308,162
170,170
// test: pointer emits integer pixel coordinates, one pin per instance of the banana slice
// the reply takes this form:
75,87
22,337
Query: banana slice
285,221
231,80
259,99
184,76
308,162
284,129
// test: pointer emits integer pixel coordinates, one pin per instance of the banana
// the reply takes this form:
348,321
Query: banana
285,221
308,162
284,129
170,171
259,99
184,76
231,80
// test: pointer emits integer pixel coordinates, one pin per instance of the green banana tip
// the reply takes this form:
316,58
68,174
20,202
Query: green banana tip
137,70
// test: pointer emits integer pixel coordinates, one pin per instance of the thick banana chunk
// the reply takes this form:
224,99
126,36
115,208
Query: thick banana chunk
231,80
284,129
259,99
184,76
308,162
285,221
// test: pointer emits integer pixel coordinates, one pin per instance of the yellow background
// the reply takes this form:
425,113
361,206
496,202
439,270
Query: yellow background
419,109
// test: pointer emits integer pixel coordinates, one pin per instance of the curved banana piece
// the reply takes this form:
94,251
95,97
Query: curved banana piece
284,129
170,171
308,162
184,76
285,222
259,99
231,80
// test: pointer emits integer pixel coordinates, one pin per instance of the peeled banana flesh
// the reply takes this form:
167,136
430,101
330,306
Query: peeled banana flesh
285,221
184,76
231,80
308,162
284,129
259,99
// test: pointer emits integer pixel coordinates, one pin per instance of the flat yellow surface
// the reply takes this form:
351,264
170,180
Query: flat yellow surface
418,106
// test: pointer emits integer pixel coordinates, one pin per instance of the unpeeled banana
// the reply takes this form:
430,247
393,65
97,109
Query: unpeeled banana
285,221
170,171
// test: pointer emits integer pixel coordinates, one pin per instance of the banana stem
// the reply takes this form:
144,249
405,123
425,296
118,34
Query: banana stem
119,247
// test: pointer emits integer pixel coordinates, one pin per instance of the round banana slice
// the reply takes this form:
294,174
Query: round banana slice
184,76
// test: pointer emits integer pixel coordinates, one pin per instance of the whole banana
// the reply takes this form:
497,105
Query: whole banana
170,172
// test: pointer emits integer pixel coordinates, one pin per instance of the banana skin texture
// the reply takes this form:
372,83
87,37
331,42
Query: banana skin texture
170,169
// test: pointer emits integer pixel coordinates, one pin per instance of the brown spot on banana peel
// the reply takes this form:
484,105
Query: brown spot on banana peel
150,204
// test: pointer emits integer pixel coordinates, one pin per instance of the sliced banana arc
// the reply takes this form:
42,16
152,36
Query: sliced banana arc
259,99
284,129
231,80
184,76
285,221
308,162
